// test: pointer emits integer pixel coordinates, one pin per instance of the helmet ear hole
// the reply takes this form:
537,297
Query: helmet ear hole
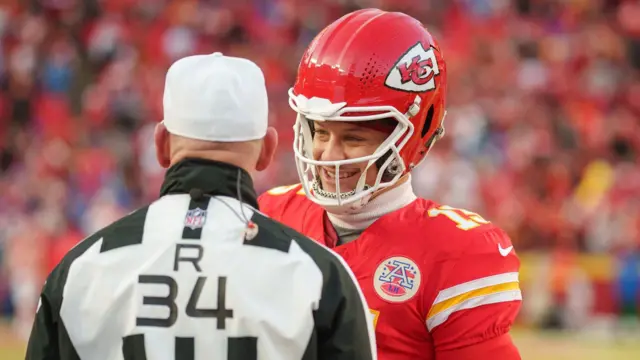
428,121
436,136
393,169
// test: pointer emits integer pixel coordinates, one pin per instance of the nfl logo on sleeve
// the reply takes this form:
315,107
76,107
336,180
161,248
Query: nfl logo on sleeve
195,218
397,279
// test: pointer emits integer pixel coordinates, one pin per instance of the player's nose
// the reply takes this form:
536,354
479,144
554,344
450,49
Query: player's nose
333,150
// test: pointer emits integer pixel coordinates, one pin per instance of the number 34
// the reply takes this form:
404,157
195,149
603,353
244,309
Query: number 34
238,347
464,219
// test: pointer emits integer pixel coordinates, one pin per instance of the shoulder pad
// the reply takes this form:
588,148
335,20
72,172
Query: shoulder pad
453,218
281,190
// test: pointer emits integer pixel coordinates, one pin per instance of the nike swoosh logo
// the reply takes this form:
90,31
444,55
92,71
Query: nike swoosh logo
504,252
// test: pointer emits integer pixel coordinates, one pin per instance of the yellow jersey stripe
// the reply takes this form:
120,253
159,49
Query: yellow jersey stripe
446,304
473,302
480,283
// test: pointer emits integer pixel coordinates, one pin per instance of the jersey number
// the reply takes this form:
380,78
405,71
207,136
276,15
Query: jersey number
239,348
464,219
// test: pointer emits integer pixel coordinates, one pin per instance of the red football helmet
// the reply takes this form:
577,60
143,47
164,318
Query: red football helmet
370,65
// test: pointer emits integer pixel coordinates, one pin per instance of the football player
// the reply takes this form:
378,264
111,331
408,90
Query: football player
441,282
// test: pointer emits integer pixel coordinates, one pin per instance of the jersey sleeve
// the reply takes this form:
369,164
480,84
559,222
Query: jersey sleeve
43,340
49,339
478,299
345,328
343,325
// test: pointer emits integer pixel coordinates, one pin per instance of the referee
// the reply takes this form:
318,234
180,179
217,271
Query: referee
200,273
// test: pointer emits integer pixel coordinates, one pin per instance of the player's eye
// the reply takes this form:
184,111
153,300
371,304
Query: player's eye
352,138
321,134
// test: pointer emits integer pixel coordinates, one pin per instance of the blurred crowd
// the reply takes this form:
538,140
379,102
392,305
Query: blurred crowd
542,131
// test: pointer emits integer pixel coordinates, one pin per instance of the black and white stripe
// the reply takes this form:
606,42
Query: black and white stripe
276,296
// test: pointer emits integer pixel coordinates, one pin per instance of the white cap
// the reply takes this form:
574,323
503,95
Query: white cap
216,98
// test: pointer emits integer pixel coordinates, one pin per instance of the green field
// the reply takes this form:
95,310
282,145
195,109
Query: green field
532,345
536,345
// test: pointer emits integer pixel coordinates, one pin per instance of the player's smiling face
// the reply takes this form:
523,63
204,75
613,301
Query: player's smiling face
337,140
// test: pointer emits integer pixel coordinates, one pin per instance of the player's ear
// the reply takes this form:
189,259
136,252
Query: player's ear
163,150
268,151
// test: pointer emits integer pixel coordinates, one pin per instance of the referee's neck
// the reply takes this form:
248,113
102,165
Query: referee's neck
231,157
212,177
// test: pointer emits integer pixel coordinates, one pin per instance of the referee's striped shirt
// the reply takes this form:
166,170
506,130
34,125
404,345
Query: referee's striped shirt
179,280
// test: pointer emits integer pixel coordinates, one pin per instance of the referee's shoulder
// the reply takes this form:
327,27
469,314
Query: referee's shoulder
127,230
276,235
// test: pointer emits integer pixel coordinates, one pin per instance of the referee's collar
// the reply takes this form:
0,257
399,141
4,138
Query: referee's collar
211,177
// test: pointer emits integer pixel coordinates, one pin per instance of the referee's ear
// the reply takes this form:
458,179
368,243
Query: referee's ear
163,152
268,151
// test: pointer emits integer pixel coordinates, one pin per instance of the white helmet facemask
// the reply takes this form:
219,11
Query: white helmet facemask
393,166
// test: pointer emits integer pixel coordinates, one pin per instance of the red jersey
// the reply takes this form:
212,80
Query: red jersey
441,283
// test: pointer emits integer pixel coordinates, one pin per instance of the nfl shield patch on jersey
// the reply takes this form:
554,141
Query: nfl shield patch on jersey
195,218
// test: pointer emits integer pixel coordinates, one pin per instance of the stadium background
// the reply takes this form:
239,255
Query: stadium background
542,137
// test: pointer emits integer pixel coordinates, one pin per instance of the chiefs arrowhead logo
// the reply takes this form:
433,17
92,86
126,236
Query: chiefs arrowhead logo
415,71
